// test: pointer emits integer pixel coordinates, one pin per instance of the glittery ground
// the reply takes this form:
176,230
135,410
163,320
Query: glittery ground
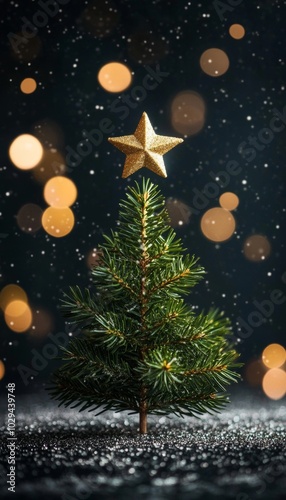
63,454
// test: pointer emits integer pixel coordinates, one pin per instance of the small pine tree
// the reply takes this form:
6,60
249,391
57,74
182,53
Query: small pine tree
143,349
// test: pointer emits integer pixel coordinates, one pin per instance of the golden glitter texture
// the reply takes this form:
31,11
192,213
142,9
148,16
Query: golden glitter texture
144,148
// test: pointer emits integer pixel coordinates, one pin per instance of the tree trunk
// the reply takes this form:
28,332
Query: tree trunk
143,411
143,419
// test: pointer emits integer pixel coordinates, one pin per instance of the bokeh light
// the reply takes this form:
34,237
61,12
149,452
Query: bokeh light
18,316
2,370
256,248
237,31
218,224
27,51
214,62
188,113
50,134
58,222
178,211
274,383
274,356
28,85
51,164
11,293
60,192
42,323
99,18
254,372
146,48
114,77
229,201
25,151
93,258
29,218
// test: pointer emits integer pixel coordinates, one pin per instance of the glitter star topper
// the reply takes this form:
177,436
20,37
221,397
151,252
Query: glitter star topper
144,148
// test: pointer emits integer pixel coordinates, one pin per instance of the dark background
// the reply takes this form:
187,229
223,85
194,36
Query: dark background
172,34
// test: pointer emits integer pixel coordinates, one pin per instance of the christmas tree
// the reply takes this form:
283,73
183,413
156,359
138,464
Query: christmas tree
143,349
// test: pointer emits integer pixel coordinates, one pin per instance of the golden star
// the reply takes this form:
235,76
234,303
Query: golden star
144,148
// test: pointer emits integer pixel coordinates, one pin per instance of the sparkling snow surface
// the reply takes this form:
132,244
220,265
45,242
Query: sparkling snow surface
64,454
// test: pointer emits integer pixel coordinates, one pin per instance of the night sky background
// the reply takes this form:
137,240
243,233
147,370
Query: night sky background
64,58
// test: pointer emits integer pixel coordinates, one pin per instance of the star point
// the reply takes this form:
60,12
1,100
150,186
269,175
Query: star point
144,148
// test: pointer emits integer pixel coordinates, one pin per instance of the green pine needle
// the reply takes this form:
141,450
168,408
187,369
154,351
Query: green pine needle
143,349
